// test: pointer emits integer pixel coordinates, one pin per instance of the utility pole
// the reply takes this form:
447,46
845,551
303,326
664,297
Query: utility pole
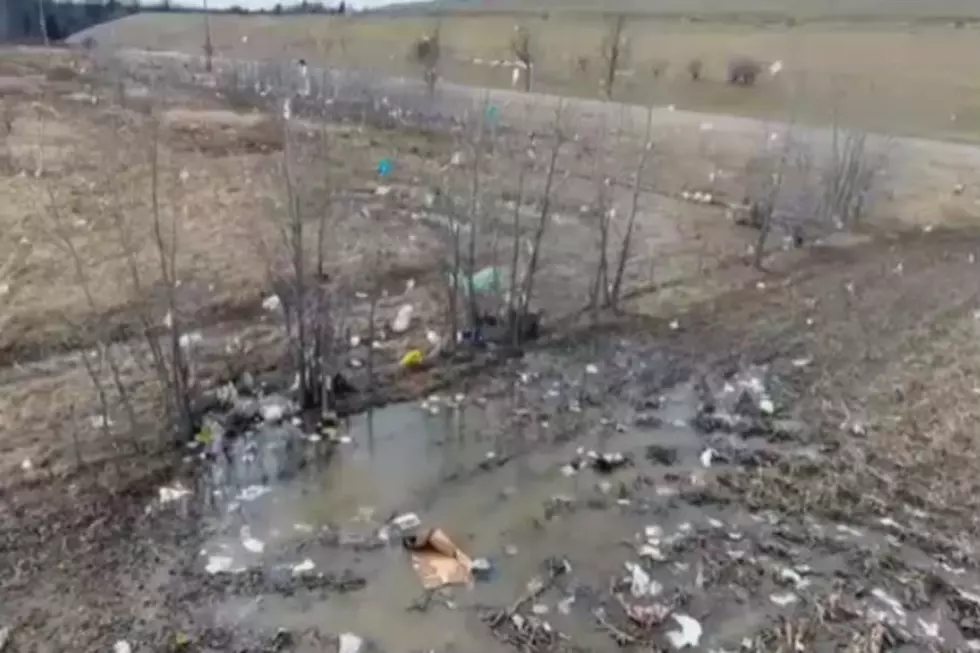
44,22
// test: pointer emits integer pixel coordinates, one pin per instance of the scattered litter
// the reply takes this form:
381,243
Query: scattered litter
783,600
775,67
272,412
591,369
565,605
252,544
100,421
482,569
849,530
540,609
607,463
403,319
794,577
27,465
688,635
652,552
674,325
894,604
432,337
929,629
218,564
487,280
407,522
122,646
438,561
173,493
385,167
767,406
271,303
253,492
304,567
4,637
188,340
640,582
802,362
412,359
382,191
349,643
706,457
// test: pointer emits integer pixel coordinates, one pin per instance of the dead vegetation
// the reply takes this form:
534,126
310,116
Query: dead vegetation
293,237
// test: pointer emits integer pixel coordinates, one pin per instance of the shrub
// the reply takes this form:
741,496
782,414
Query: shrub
426,52
695,68
659,67
743,71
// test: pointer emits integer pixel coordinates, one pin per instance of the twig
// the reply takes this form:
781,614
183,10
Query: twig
622,637
535,590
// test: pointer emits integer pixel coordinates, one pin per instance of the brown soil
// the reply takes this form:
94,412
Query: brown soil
886,326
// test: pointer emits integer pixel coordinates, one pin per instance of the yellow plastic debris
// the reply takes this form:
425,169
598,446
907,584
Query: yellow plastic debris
412,358
205,436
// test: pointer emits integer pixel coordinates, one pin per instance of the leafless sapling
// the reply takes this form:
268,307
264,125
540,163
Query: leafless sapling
544,217
614,51
625,250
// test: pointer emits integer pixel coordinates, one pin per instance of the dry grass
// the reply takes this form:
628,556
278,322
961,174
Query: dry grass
923,75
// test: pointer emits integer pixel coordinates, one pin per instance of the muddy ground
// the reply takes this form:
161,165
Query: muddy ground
738,460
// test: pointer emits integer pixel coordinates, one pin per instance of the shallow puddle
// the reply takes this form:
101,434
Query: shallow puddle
516,493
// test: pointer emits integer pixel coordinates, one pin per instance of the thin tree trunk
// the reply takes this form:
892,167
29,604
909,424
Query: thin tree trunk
542,222
624,252
208,45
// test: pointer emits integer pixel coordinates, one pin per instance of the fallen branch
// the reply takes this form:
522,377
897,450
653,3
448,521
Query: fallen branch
535,588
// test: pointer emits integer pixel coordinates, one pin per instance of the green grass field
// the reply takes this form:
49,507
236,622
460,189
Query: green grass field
901,77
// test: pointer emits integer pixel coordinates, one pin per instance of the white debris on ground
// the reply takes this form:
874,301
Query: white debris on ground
122,646
253,492
218,564
689,634
407,521
349,643
175,492
272,303
252,544
641,584
304,567
403,319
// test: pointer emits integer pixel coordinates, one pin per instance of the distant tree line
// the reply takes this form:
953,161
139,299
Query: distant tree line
20,19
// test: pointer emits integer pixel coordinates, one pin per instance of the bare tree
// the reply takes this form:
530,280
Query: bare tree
208,45
743,71
625,250
427,52
614,50
695,68
544,218
180,381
